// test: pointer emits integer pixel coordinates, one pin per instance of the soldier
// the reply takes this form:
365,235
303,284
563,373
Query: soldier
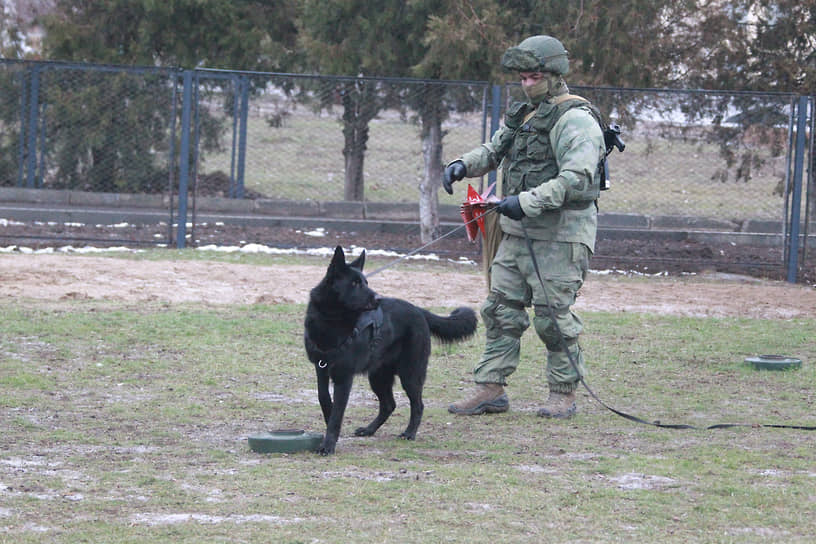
550,150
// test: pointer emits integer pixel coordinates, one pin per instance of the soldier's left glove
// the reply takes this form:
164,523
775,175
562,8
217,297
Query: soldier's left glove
453,172
510,207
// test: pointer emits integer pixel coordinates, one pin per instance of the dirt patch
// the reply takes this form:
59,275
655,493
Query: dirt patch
64,276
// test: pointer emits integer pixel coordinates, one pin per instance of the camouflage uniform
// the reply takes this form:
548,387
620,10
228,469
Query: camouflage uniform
549,155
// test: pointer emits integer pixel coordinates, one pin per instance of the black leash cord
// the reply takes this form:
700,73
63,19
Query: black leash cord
571,357
457,229
630,417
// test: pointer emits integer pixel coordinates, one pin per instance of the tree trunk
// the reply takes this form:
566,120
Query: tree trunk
355,139
354,153
431,117
360,105
101,175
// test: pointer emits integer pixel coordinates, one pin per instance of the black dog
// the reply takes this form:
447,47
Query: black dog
350,330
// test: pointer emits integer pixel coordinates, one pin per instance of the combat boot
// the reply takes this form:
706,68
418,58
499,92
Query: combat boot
559,405
488,397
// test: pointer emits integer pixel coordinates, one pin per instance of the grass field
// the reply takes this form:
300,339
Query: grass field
128,423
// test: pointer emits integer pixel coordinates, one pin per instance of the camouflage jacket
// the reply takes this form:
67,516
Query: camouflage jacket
550,158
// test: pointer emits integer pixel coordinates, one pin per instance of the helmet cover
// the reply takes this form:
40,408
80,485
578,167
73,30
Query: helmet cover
537,54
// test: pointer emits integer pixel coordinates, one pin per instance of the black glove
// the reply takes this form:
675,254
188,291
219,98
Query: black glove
510,207
453,172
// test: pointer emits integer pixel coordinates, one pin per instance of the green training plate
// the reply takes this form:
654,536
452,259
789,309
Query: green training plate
774,362
284,441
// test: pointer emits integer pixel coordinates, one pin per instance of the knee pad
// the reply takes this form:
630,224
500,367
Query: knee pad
504,317
545,321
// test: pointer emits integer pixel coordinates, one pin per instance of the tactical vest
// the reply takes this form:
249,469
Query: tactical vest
529,158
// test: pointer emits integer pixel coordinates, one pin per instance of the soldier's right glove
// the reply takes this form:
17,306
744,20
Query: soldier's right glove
453,172
510,207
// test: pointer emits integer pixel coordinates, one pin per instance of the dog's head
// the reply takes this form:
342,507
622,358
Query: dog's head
345,286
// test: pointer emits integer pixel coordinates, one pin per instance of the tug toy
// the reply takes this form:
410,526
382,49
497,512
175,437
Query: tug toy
474,208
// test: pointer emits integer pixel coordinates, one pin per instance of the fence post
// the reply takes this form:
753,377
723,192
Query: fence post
33,124
236,93
242,136
495,109
796,200
42,146
22,146
171,159
184,158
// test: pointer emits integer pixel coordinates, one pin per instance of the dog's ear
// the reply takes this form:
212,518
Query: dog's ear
339,258
337,263
359,262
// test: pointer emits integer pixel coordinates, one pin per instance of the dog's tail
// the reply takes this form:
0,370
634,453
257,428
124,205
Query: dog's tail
459,325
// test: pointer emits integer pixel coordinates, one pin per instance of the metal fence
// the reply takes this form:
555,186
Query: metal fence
99,130
725,161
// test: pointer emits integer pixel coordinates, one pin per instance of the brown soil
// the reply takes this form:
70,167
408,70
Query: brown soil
65,276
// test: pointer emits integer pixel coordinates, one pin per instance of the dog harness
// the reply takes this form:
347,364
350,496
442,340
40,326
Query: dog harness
367,328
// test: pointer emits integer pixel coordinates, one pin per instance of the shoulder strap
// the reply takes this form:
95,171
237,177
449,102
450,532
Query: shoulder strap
555,101
369,318
548,113
592,108
566,96
528,117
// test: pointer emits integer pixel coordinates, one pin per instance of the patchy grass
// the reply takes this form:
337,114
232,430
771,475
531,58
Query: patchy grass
373,260
128,423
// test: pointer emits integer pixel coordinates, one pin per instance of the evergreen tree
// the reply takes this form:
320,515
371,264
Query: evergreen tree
462,40
358,38
109,130
239,35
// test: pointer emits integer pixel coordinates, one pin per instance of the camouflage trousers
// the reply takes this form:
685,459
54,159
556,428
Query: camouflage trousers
514,287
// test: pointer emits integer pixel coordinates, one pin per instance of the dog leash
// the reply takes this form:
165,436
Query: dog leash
571,356
406,256
621,413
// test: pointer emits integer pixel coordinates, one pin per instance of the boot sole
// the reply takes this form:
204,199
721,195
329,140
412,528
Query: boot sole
571,411
495,406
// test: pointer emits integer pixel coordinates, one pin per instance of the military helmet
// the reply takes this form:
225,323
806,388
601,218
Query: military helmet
537,54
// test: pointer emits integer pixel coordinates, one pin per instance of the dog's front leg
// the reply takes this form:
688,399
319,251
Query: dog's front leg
342,389
323,394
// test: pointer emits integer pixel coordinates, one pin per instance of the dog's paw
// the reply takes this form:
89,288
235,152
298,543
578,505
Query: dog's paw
363,431
408,436
325,449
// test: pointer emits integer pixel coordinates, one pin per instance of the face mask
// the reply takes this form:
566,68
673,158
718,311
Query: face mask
544,89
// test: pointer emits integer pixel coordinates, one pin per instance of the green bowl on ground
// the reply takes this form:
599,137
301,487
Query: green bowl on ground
774,362
284,441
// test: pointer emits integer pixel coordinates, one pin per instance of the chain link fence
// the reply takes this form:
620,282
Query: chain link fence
95,135
304,134
118,137
699,154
